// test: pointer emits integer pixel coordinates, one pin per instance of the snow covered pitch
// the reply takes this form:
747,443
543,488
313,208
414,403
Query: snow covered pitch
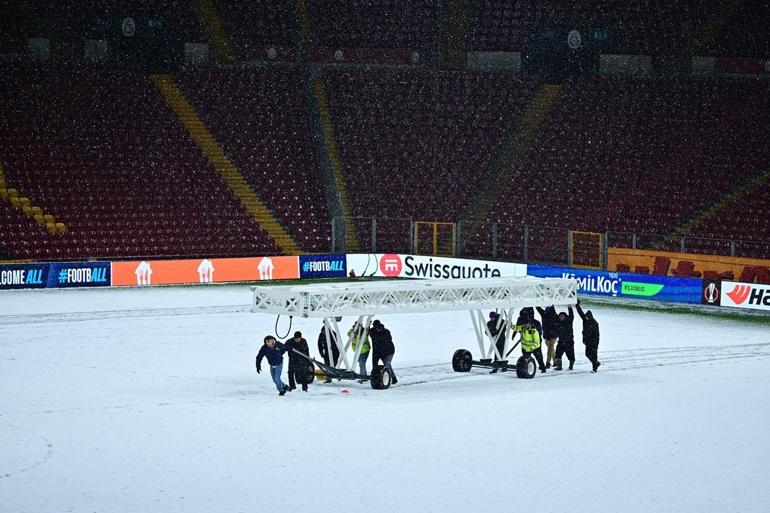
146,400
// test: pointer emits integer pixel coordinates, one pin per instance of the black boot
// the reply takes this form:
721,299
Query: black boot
596,366
286,388
282,392
571,364
557,365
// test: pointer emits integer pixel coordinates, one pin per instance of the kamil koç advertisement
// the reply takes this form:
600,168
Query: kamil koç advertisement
638,286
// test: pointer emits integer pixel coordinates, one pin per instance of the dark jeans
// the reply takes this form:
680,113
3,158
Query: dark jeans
500,343
293,366
562,349
538,354
592,353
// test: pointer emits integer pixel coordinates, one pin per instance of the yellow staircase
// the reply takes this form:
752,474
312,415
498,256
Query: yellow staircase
213,151
351,237
25,205
304,22
508,156
220,44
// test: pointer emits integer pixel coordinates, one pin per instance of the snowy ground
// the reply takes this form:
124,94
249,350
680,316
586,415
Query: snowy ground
147,401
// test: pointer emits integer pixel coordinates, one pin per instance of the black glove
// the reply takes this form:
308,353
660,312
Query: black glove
259,369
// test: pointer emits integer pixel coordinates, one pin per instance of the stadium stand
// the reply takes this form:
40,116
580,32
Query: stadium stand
261,119
636,27
255,26
376,23
415,145
628,154
99,148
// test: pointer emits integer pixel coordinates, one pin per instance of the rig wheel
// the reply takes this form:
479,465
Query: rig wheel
380,378
462,361
526,367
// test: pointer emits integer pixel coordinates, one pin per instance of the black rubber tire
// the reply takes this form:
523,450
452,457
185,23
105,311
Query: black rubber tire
462,361
380,378
526,367
304,373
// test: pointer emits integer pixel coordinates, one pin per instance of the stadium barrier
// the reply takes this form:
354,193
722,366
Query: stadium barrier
396,265
732,294
215,270
626,285
690,290
55,275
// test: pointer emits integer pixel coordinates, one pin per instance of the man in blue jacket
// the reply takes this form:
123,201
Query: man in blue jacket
273,351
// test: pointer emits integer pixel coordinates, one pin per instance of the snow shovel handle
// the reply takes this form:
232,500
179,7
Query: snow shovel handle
514,347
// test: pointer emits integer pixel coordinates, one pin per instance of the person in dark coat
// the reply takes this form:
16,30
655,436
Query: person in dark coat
549,332
530,340
497,330
590,336
528,315
383,348
323,349
566,342
273,351
296,362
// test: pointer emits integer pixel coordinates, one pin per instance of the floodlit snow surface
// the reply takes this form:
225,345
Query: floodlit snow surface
148,401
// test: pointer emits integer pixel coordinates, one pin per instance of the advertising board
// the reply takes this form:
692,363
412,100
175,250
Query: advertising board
745,295
215,270
23,276
419,266
604,283
322,266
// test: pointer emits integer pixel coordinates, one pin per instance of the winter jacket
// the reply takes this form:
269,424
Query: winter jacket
530,338
382,345
564,328
590,328
549,322
366,345
300,346
273,354
322,349
528,314
496,333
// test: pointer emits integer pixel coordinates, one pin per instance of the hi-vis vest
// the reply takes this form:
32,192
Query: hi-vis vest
366,346
530,338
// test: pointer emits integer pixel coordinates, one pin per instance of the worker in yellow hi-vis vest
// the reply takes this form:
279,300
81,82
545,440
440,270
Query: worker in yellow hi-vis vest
530,340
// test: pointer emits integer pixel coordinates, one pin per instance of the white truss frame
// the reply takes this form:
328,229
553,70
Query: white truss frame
365,299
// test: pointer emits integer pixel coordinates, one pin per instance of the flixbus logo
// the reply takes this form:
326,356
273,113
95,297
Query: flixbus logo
739,294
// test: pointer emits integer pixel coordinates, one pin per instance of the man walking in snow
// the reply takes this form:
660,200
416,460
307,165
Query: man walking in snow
566,342
497,330
530,341
357,334
296,362
323,349
590,336
273,351
549,332
383,348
